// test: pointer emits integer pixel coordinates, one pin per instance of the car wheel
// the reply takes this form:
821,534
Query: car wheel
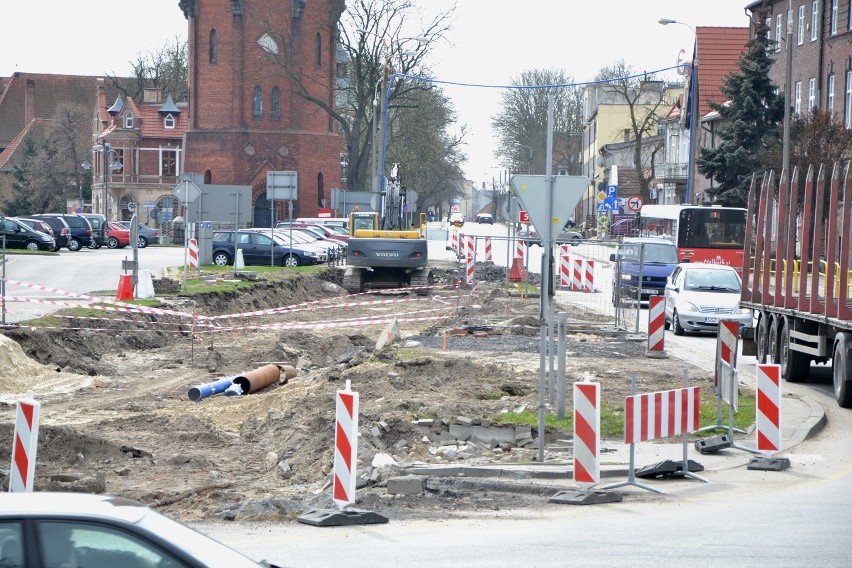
93,244
73,244
141,242
678,329
292,260
113,243
32,245
575,241
221,259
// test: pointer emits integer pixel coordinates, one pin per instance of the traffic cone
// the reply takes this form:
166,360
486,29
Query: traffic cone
239,264
125,288
518,272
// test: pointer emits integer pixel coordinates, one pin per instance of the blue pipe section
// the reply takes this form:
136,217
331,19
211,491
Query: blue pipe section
209,389
234,390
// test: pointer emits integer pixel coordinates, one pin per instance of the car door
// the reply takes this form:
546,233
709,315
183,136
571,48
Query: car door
261,245
672,285
243,243
14,234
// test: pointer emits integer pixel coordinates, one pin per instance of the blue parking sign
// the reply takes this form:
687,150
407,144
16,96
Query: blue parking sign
611,191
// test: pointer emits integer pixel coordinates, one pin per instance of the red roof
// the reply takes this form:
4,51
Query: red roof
719,49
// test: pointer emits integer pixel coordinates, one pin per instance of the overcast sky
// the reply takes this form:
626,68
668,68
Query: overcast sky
491,41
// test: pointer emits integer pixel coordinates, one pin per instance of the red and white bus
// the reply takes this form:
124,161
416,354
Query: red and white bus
715,235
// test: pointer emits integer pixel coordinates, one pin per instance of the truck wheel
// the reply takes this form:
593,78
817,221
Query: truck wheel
762,338
772,343
841,370
795,365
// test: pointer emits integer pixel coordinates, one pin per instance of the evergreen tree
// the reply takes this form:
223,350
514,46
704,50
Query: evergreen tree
750,140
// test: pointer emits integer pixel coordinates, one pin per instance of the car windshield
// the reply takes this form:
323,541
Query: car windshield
712,280
654,253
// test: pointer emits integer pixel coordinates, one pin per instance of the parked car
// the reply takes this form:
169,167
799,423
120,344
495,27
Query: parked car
19,235
530,237
648,260
147,235
331,249
117,237
456,219
256,249
99,229
699,295
80,229
485,218
333,232
79,529
61,230
38,225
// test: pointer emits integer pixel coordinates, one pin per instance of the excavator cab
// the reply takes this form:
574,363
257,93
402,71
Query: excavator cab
363,221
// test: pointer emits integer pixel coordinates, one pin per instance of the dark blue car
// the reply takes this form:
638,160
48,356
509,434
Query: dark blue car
258,250
643,263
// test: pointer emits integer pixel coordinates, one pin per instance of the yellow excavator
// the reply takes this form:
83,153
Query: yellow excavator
382,254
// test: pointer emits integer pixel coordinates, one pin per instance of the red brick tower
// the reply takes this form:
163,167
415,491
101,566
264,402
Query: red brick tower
245,118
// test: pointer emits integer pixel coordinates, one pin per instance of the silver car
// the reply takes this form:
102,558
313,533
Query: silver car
699,295
77,529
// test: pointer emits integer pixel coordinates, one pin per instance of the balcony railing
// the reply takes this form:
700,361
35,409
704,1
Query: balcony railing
671,170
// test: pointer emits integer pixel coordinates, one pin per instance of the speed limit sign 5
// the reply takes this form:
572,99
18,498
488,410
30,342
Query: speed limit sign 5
634,203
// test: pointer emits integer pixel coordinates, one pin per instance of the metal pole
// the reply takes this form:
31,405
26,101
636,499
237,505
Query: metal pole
272,231
186,240
560,382
236,231
106,149
788,91
3,286
694,122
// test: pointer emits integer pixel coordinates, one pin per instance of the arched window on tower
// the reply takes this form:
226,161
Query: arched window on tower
320,191
257,102
214,48
318,50
275,109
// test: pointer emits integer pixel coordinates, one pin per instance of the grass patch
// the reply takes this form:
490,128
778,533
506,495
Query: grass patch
53,321
495,394
195,285
530,418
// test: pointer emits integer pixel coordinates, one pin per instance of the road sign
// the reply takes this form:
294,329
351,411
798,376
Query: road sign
534,193
523,217
634,203
282,186
612,191
601,196
186,191
608,204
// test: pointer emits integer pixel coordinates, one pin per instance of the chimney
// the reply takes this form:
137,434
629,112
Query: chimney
151,95
29,102
627,135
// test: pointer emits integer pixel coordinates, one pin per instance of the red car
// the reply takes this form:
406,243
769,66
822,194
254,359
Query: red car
117,237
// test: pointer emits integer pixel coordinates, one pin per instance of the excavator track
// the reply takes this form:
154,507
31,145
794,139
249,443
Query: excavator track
353,280
422,279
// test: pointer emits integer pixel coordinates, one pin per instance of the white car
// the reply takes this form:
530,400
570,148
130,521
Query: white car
78,529
699,295
457,219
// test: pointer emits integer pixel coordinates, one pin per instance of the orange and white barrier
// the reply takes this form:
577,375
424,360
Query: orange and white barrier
193,253
488,253
24,445
345,447
587,432
656,324
661,414
768,409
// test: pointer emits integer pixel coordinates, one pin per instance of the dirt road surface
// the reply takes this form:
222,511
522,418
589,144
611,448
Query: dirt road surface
116,417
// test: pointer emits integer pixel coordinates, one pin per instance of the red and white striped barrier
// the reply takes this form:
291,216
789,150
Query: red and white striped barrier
24,446
455,240
661,414
470,247
193,253
470,268
488,253
656,324
589,275
520,248
345,447
576,273
587,432
727,344
769,409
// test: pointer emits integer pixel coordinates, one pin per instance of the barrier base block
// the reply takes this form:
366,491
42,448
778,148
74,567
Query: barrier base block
337,518
656,354
666,469
585,497
713,444
769,464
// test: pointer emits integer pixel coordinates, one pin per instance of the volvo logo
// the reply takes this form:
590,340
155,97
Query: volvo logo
388,254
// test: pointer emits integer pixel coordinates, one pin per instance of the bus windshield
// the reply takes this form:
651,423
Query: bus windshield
712,227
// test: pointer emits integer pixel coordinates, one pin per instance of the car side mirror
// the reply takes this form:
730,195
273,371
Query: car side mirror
612,257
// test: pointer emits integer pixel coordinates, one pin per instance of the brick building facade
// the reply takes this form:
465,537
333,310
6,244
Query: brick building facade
245,116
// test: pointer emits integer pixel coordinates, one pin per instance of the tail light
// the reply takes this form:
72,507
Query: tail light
88,232
64,232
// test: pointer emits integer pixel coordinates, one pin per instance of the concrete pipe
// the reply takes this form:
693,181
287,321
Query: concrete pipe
209,389
258,378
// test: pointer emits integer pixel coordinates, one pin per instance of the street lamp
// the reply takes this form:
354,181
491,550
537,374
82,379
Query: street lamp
115,166
693,111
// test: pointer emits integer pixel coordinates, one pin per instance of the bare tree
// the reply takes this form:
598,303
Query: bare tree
166,69
372,38
521,123
648,100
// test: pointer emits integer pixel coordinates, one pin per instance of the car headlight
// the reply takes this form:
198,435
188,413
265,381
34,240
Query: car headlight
46,238
627,277
744,310
310,254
